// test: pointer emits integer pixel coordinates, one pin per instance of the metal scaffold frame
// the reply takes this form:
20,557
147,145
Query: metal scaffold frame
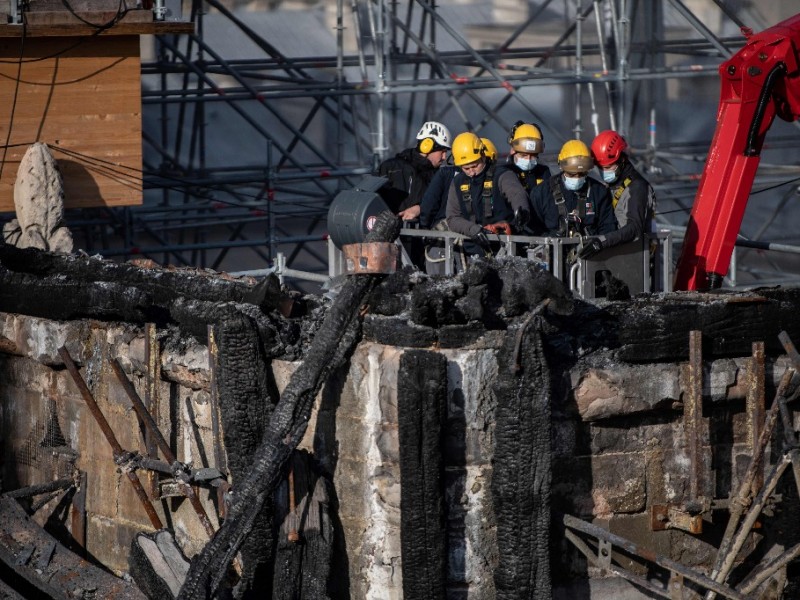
324,121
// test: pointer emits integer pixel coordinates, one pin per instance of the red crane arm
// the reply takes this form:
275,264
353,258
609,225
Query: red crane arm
760,81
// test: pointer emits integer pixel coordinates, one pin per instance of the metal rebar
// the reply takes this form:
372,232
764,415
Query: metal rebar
150,424
667,563
693,412
747,523
109,435
759,576
746,491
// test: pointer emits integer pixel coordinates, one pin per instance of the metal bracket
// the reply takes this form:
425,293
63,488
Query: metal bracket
667,516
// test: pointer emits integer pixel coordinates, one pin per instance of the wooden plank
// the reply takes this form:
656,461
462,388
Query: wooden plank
99,18
85,103
122,29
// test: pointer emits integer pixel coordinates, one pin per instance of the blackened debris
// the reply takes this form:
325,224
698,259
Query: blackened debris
335,340
521,461
421,397
305,534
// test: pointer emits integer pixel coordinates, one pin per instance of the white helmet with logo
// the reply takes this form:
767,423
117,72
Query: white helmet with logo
432,136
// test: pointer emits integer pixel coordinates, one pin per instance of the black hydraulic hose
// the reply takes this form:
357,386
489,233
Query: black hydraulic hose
763,99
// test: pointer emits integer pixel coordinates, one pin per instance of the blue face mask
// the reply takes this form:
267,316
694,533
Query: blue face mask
574,183
526,164
609,176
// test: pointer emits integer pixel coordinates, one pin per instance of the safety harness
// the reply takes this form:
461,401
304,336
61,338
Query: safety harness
556,187
620,190
487,195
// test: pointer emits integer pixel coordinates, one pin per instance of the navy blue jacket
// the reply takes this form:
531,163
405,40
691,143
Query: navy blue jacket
598,213
529,179
433,207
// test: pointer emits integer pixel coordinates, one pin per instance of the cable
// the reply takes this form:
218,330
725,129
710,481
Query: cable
16,93
82,40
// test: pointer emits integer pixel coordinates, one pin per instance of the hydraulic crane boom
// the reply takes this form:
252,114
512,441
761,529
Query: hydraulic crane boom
760,81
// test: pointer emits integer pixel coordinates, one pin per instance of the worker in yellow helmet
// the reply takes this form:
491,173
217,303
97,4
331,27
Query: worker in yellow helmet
570,203
433,205
482,203
527,143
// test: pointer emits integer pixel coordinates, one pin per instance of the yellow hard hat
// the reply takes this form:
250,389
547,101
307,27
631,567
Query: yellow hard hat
526,137
575,157
467,148
489,149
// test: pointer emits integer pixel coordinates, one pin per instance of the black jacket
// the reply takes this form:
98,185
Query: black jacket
409,174
433,207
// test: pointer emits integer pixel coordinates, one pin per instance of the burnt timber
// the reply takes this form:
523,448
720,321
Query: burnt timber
607,372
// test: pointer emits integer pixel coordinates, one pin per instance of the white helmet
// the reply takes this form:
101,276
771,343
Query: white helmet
432,135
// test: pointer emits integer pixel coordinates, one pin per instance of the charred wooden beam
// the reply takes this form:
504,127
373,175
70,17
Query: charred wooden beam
521,479
45,568
332,345
421,397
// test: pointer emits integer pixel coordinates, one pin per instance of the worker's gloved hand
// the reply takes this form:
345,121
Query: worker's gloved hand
521,218
481,238
501,228
592,246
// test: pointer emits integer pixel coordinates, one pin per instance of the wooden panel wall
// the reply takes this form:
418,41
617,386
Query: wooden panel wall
82,97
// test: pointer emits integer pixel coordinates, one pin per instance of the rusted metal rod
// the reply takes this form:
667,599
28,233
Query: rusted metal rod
109,434
293,535
591,556
756,399
741,501
151,426
757,577
671,565
693,413
750,518
791,351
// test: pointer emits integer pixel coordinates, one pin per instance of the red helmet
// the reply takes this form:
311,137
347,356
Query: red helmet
607,147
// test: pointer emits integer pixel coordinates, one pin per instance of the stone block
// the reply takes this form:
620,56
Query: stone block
388,443
618,483
385,486
631,434
348,482
109,541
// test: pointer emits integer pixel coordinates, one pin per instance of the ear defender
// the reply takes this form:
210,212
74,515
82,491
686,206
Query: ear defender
426,145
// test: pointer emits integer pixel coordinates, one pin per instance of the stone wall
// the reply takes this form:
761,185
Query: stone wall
619,447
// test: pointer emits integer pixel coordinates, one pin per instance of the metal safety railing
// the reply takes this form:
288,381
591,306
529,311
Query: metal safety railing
644,265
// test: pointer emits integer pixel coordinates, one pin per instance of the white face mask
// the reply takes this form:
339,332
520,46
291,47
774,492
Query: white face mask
574,183
526,164
609,175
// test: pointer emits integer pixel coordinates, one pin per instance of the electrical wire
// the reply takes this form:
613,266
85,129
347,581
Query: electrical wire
98,29
16,94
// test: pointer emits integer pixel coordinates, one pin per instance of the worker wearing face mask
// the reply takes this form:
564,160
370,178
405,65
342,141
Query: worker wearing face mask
570,203
527,143
632,197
